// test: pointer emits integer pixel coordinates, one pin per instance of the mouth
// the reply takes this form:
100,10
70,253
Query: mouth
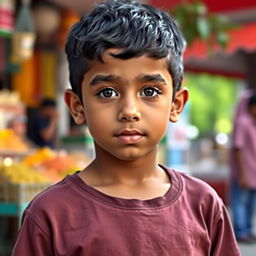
130,136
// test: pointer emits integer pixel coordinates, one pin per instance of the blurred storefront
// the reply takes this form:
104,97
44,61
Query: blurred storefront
32,67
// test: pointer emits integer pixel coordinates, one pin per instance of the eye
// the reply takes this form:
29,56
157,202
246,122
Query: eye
107,93
150,92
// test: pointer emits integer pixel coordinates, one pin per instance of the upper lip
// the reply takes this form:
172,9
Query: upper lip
129,132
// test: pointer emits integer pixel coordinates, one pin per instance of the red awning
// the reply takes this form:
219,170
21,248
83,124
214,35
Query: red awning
233,61
213,5
242,38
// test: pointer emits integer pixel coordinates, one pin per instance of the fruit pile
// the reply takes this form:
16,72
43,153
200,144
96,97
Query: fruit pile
19,173
42,166
11,142
54,165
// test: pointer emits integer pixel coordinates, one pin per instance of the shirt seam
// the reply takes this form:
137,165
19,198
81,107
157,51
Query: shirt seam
36,223
217,217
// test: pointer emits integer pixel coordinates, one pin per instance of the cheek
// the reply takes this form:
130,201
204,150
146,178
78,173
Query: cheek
98,122
162,111
160,119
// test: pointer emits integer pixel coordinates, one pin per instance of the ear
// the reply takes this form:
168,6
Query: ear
75,107
181,97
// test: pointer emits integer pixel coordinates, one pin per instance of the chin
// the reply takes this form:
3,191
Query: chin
129,153
130,156
125,157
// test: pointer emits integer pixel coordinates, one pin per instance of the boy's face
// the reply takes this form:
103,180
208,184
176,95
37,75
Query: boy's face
127,104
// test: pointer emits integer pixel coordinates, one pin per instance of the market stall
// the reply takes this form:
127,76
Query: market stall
31,62
25,170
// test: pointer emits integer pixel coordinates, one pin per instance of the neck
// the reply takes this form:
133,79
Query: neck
111,169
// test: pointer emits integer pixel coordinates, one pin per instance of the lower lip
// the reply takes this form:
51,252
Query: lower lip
130,139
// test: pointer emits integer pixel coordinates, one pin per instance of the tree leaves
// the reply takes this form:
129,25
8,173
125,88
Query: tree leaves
196,22
212,101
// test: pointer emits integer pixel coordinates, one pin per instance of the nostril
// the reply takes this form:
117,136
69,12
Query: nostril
123,118
135,118
129,117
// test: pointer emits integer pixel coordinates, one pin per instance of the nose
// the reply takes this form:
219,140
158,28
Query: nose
129,111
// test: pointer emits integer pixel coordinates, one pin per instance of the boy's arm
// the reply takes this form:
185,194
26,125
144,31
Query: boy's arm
222,237
32,240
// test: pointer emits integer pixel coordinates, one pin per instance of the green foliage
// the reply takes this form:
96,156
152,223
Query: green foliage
197,22
212,101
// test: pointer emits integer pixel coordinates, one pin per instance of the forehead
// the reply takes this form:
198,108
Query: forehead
127,69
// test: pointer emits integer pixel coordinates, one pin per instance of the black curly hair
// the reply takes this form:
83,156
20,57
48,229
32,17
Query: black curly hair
137,29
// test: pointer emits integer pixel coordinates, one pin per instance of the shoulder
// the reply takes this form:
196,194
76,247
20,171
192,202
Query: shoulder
243,121
54,200
194,185
198,193
201,200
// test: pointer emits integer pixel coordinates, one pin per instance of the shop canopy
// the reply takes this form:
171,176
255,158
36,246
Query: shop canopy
230,61
235,59
241,38
213,5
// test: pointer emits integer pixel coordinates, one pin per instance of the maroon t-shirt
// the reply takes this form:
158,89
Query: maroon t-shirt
73,219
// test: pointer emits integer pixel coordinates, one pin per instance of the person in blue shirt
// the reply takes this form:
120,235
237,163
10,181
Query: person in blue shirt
44,124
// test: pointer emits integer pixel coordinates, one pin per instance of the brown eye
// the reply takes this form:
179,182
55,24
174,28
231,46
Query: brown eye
150,92
107,93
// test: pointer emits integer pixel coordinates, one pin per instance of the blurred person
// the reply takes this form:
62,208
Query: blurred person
243,168
44,124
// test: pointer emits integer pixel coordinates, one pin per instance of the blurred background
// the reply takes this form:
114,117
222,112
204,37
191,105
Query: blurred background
220,62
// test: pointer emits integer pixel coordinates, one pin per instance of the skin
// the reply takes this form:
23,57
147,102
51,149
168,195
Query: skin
127,105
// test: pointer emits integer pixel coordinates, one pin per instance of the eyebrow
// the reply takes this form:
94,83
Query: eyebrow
103,79
143,77
152,78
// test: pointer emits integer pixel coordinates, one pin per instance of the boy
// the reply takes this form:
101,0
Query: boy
126,72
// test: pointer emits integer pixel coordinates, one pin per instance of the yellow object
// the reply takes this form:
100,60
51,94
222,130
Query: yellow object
5,134
19,173
39,156
9,141
48,74
24,82
7,161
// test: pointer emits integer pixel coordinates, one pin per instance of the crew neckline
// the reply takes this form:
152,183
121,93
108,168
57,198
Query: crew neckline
130,204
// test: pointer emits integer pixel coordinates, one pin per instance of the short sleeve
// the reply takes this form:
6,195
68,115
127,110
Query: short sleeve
239,136
223,239
32,239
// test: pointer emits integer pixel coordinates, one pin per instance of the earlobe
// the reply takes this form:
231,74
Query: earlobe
75,106
178,104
